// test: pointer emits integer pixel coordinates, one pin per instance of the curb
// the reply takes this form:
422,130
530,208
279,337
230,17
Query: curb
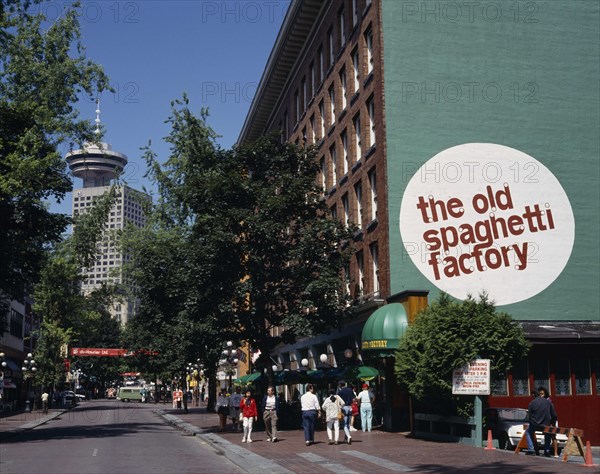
245,459
31,425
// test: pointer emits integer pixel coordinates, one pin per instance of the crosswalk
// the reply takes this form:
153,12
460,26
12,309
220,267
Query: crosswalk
337,466
385,463
253,462
325,463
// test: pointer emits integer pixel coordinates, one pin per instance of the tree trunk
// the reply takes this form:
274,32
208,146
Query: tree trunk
185,392
156,388
211,376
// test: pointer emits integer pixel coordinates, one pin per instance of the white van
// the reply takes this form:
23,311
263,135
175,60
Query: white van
128,394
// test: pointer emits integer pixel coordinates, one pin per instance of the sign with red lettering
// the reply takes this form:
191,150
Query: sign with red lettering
472,379
485,217
97,352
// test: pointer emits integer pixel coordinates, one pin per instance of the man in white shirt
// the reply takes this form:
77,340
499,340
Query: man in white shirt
310,410
45,397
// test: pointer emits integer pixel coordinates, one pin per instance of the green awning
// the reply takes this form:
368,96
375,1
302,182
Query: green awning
246,379
384,328
241,380
361,372
254,377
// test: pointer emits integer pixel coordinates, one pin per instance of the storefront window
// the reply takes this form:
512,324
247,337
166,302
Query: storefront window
500,384
520,376
563,378
583,385
540,374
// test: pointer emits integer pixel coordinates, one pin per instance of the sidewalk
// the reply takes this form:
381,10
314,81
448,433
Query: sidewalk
377,451
19,421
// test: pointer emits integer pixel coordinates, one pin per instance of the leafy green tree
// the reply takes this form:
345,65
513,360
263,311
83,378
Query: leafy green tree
43,69
172,269
241,244
49,359
69,316
292,251
448,334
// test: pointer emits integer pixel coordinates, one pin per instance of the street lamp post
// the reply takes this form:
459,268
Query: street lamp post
229,361
194,372
29,368
3,365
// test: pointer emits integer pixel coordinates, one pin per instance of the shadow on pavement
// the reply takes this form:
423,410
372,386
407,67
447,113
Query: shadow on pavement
78,431
495,468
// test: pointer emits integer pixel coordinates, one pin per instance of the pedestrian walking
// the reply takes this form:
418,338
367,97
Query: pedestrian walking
249,415
45,397
365,399
541,413
555,423
222,409
234,408
332,406
270,406
310,411
349,398
355,413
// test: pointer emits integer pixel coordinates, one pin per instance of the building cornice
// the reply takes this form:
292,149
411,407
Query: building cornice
297,25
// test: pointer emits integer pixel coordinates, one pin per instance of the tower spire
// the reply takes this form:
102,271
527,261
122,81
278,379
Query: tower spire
96,163
97,131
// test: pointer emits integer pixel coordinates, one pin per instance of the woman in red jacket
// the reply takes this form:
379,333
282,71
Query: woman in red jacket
249,414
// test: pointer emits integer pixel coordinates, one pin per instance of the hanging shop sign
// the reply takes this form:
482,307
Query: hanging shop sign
97,352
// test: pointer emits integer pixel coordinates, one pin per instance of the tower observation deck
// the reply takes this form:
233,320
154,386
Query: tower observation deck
96,165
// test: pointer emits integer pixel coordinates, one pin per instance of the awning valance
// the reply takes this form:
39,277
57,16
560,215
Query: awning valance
11,364
250,378
384,328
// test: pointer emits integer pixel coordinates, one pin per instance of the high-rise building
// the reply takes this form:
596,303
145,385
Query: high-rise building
462,140
98,165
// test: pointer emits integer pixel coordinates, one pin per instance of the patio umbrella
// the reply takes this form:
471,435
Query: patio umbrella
361,372
289,377
316,376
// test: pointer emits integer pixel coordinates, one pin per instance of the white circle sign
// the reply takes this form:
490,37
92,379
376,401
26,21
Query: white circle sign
486,217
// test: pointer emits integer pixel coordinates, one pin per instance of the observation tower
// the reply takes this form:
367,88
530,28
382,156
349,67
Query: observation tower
96,165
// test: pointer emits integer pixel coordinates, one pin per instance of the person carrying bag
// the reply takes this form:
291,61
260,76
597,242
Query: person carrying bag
333,414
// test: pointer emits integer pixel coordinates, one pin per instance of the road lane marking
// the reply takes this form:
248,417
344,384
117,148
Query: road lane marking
95,452
325,463
393,466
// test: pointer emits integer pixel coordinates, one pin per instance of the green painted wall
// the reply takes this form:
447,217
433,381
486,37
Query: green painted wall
520,74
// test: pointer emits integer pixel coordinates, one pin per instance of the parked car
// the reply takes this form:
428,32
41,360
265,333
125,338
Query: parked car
507,427
69,398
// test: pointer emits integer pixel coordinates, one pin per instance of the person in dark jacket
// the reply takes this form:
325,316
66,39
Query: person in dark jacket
347,394
541,413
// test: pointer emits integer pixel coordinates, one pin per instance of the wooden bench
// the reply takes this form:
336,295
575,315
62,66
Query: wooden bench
574,445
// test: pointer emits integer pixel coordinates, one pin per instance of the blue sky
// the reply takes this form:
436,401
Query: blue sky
153,51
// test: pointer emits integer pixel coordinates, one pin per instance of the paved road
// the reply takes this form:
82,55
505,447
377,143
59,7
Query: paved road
109,437
112,437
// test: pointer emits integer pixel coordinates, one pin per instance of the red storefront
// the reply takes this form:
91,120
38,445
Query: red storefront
565,358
